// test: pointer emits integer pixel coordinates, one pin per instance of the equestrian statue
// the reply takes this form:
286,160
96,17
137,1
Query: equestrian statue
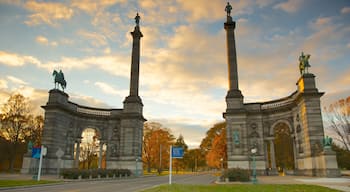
59,80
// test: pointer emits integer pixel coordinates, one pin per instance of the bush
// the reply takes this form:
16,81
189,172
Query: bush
85,174
236,174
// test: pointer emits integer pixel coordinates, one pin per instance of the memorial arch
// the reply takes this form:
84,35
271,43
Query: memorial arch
297,118
120,130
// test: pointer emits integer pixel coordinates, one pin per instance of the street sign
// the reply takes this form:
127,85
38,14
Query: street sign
36,152
177,152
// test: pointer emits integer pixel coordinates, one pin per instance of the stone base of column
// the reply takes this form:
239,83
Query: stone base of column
242,164
135,167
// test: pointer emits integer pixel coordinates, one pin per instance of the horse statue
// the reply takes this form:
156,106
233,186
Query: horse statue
304,63
59,80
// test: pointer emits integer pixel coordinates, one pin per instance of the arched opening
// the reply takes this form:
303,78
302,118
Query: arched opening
92,151
283,144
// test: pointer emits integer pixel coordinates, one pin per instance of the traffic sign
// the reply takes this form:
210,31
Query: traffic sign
177,152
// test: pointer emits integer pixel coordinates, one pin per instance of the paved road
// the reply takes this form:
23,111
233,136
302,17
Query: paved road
125,185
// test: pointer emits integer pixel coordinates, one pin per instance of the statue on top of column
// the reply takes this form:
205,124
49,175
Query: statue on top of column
137,19
304,63
228,9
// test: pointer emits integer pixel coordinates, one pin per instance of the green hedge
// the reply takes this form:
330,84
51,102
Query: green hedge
93,173
236,174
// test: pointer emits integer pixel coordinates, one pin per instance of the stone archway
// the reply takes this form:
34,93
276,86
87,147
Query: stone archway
92,150
283,147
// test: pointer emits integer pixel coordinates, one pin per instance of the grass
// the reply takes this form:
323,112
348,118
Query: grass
14,183
240,188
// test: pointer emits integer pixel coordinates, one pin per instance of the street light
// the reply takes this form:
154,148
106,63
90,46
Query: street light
222,164
254,150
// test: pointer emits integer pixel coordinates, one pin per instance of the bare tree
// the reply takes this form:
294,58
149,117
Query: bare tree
338,119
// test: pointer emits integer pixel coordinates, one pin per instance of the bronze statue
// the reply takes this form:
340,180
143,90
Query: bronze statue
327,142
304,63
137,19
59,79
228,9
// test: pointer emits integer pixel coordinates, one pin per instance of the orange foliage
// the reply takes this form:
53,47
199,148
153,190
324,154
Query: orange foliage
217,156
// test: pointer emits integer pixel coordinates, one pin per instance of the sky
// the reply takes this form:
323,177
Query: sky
183,65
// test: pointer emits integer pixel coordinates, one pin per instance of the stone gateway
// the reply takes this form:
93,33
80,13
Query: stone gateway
120,130
287,133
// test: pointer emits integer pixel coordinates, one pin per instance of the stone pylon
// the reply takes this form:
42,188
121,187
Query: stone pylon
132,116
235,115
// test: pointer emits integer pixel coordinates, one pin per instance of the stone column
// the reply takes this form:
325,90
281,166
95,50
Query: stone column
135,61
272,155
100,155
230,26
266,155
77,154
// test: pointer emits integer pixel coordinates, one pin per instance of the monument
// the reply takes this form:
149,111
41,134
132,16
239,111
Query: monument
121,130
293,122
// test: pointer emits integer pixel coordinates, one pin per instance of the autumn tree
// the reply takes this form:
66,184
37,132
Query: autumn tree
194,159
156,144
15,122
214,145
338,120
35,129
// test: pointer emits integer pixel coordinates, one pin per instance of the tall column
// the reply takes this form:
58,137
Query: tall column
272,155
135,59
77,154
230,26
100,156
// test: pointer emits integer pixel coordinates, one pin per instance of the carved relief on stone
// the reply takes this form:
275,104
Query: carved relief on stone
69,143
113,148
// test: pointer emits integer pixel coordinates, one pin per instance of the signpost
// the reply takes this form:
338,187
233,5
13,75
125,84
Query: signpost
175,152
42,152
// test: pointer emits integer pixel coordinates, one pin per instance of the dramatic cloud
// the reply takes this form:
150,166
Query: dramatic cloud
291,6
47,13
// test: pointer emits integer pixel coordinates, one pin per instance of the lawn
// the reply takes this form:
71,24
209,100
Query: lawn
13,183
238,188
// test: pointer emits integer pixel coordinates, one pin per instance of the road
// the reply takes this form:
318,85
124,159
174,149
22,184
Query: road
122,185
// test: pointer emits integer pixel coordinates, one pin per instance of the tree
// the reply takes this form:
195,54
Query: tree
194,159
179,163
35,129
15,120
156,144
343,157
338,120
214,145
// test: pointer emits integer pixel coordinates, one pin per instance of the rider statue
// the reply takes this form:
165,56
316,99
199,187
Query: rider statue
137,19
228,9
304,63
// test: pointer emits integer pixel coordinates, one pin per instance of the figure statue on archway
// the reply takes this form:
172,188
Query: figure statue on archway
228,9
59,79
304,63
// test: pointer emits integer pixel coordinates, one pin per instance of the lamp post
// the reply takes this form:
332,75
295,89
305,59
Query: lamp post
254,150
222,164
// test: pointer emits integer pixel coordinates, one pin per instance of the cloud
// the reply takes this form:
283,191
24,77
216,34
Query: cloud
3,84
108,89
44,41
16,80
345,10
47,12
290,6
14,60
96,39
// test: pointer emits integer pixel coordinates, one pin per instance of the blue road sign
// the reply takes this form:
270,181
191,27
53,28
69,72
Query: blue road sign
177,152
36,152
